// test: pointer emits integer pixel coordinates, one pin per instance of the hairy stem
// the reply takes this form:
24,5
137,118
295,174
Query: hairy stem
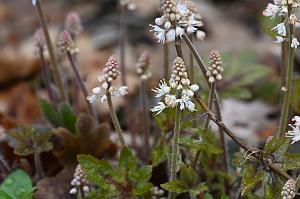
178,47
192,67
175,147
56,74
115,120
288,81
206,121
122,40
80,83
145,116
166,60
38,165
46,75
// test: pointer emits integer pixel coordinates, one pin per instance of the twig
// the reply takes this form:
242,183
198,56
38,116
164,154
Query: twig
56,74
38,165
238,141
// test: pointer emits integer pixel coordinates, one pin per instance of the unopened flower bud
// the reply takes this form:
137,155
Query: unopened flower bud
66,44
289,189
73,23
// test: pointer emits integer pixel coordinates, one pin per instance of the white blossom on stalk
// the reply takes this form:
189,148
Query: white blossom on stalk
280,29
79,181
295,43
294,134
271,10
177,20
178,91
111,72
279,39
215,69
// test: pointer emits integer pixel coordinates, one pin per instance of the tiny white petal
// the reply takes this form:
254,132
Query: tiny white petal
103,99
194,87
170,35
97,90
73,191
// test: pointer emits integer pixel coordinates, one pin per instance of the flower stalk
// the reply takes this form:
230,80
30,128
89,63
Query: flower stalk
288,88
122,40
38,165
56,75
115,120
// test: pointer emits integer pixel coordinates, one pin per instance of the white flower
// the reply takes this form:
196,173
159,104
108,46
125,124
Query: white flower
279,39
170,100
160,21
97,90
170,35
271,10
123,90
295,43
179,31
191,106
296,119
162,90
92,99
159,33
294,134
277,2
159,108
184,101
280,29
194,87
73,191
200,35
192,24
103,99
182,9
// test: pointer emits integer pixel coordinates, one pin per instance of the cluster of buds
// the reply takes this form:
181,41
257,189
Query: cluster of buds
289,189
79,181
280,8
73,23
215,69
157,193
110,73
176,21
39,39
179,91
294,134
66,44
142,67
129,4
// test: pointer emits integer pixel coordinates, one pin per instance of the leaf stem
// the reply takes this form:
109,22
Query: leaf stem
56,74
115,120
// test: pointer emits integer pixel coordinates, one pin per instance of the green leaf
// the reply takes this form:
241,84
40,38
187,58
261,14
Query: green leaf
176,186
17,185
127,161
142,188
143,174
268,191
276,145
49,112
64,117
198,189
295,102
291,161
208,196
67,117
250,177
159,154
188,175
4,195
199,145
224,196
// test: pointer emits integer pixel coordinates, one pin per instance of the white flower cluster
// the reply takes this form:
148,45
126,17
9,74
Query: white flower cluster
289,189
215,69
111,72
295,132
179,91
177,20
142,67
280,8
79,181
